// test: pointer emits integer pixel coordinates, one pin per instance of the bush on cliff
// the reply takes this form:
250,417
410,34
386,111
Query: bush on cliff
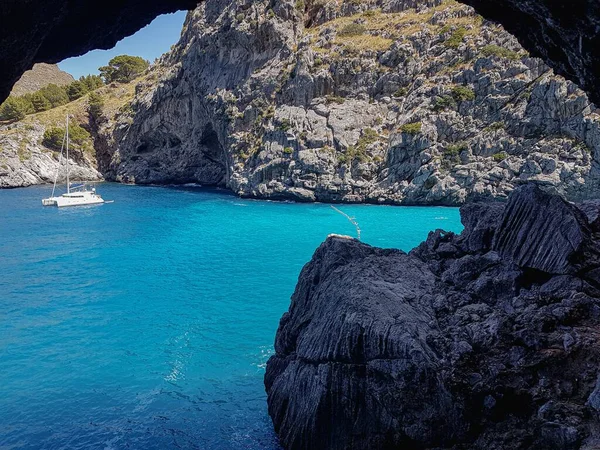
499,52
123,68
14,108
463,93
56,95
95,106
411,128
76,90
39,102
53,137
352,29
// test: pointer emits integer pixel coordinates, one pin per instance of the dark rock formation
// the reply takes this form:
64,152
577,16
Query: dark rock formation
479,340
564,34
52,30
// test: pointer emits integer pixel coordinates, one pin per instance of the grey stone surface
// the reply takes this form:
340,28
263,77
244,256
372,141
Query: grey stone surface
453,346
24,161
283,105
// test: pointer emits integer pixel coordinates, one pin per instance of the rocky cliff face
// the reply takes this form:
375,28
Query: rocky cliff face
24,161
400,102
484,340
39,76
566,35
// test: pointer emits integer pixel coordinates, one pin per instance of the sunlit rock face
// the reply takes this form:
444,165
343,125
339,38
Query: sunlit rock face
564,34
52,30
426,103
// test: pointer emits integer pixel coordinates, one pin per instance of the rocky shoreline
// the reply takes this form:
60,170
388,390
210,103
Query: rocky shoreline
487,339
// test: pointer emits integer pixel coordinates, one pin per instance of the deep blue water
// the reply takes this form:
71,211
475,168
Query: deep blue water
147,323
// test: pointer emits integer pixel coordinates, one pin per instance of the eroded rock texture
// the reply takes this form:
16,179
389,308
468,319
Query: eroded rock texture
52,30
465,342
564,34
24,161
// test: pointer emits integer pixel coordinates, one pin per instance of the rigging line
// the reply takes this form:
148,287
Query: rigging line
59,160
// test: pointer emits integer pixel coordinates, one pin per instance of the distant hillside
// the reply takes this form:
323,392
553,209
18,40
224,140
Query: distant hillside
41,75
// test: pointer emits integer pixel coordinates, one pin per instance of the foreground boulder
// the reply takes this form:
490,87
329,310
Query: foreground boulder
488,339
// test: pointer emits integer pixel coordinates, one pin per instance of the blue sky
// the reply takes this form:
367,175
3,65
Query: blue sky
149,43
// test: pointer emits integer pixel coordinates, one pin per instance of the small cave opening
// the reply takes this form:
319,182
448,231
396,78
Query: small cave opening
212,166
157,140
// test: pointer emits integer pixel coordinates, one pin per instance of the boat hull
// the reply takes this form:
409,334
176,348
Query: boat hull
61,203
79,199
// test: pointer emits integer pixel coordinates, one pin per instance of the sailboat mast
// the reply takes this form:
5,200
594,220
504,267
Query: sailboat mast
68,184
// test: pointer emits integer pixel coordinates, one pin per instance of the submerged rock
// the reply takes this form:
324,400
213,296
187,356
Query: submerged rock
465,342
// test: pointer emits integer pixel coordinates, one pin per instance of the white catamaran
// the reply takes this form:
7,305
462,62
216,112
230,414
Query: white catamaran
76,195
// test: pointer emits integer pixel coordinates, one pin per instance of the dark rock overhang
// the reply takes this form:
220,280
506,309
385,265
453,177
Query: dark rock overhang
52,30
565,34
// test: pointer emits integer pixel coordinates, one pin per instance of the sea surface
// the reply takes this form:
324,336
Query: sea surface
147,323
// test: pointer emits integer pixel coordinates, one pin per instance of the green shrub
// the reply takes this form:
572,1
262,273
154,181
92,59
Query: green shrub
453,150
92,82
240,17
56,95
411,128
39,102
463,93
285,125
501,156
456,38
76,90
445,29
351,154
359,151
444,102
334,99
95,106
500,52
368,137
401,92
288,150
53,137
352,29
15,108
123,68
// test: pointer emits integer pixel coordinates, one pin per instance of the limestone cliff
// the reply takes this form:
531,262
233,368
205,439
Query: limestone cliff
484,340
39,76
408,102
25,160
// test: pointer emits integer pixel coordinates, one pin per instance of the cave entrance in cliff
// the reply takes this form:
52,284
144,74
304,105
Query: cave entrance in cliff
213,171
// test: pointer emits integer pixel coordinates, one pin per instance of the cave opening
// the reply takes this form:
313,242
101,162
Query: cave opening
212,167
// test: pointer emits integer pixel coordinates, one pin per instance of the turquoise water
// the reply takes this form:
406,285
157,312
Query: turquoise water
147,323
